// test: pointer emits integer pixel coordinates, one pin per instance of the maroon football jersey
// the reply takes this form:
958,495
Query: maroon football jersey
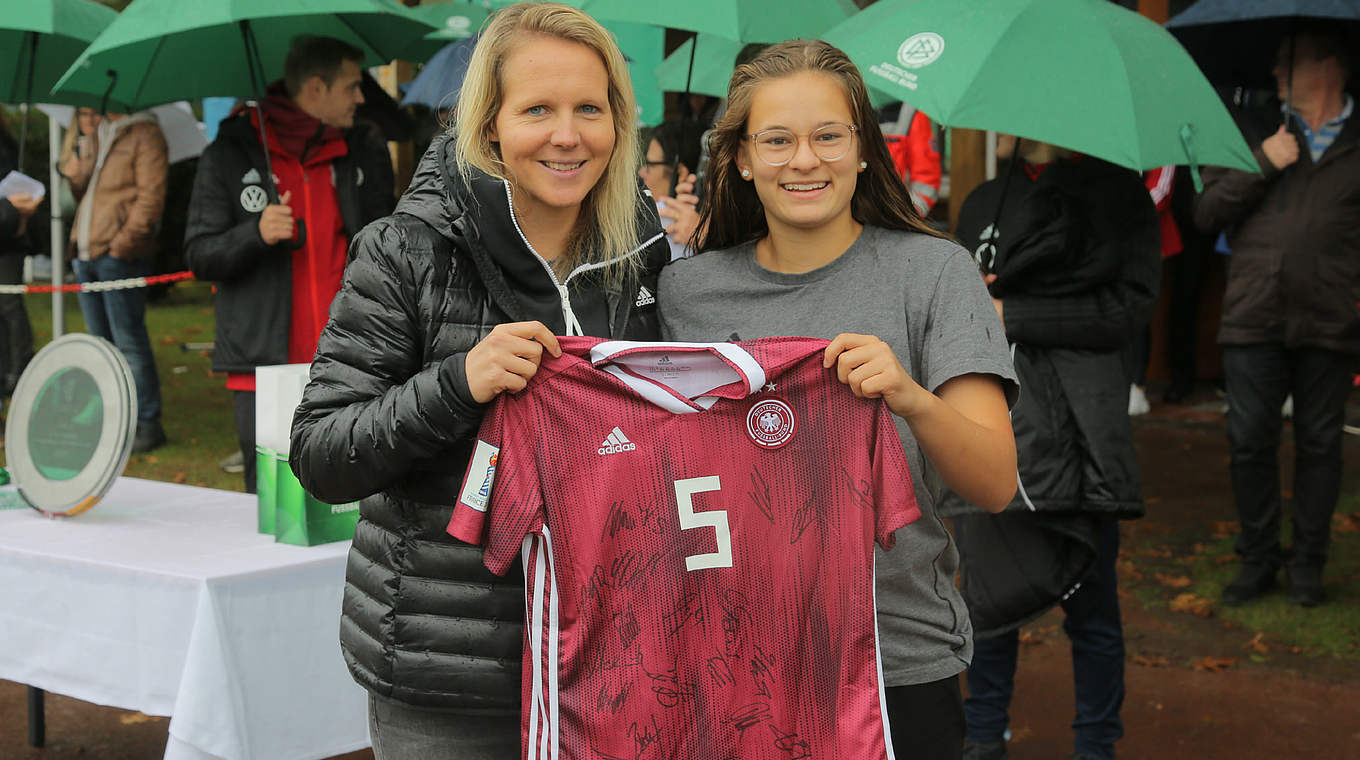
697,525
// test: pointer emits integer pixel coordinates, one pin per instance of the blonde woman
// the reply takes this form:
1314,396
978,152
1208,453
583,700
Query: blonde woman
525,222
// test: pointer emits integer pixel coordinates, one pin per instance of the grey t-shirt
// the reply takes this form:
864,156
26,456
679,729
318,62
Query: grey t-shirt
924,297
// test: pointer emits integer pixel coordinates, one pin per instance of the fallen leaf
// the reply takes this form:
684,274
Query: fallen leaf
1345,524
1224,559
1195,605
1214,664
132,718
1173,581
1257,643
180,477
149,459
1159,552
1222,529
1150,661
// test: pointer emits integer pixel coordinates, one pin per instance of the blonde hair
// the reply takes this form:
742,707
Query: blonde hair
606,229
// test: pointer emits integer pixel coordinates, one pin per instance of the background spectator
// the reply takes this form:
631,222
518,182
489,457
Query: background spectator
1073,258
16,241
274,282
118,174
1290,323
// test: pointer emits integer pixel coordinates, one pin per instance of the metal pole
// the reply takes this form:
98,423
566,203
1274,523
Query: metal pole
991,154
58,239
37,718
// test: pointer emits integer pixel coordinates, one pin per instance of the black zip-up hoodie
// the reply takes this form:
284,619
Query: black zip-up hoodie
387,418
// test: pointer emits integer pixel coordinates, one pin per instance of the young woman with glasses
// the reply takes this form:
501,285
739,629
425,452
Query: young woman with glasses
808,231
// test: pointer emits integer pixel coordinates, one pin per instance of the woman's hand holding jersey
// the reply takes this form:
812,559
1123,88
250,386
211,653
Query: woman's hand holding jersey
507,358
963,427
871,369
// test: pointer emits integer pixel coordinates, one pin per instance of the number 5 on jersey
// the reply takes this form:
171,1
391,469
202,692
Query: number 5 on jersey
715,519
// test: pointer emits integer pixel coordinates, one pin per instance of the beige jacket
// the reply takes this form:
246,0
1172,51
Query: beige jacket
120,184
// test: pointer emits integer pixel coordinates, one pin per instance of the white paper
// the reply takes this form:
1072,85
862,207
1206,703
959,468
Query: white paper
17,182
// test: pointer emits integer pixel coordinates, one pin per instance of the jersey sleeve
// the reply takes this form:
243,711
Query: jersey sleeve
893,493
500,501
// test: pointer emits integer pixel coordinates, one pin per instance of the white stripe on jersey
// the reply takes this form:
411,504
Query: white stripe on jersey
878,661
553,635
619,434
534,567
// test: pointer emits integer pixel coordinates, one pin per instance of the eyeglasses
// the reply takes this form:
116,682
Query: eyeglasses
829,142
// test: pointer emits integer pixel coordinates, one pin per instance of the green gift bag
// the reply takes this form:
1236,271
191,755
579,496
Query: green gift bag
266,490
304,520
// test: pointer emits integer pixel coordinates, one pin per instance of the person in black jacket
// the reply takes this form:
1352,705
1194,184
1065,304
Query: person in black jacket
16,241
275,281
1290,324
1074,264
528,221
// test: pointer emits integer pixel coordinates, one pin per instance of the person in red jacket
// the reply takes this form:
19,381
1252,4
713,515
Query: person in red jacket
278,265
916,155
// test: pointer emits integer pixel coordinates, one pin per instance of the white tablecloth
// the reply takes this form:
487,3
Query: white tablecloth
164,599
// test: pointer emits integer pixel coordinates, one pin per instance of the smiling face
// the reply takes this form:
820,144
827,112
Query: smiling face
807,192
554,127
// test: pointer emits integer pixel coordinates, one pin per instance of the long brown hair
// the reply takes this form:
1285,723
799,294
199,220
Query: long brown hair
733,213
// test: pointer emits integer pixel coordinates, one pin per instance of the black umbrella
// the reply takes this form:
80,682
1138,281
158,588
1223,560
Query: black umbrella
1234,41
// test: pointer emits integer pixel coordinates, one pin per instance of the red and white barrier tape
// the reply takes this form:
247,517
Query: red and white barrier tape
98,287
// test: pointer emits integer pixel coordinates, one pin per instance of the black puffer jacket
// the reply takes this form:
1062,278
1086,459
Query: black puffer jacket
222,241
1077,265
387,417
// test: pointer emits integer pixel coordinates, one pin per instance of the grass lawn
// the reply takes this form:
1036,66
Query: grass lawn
1185,572
195,404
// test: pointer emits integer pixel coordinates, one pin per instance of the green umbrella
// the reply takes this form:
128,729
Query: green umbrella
40,38
452,21
159,51
744,20
713,64
1082,74
712,70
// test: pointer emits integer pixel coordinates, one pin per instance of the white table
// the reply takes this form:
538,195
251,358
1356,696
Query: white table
164,599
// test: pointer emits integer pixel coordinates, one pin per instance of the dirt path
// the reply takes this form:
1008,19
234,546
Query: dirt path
1292,705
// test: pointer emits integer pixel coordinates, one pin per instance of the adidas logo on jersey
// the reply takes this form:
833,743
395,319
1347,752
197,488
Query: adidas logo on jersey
616,443
645,297
664,360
